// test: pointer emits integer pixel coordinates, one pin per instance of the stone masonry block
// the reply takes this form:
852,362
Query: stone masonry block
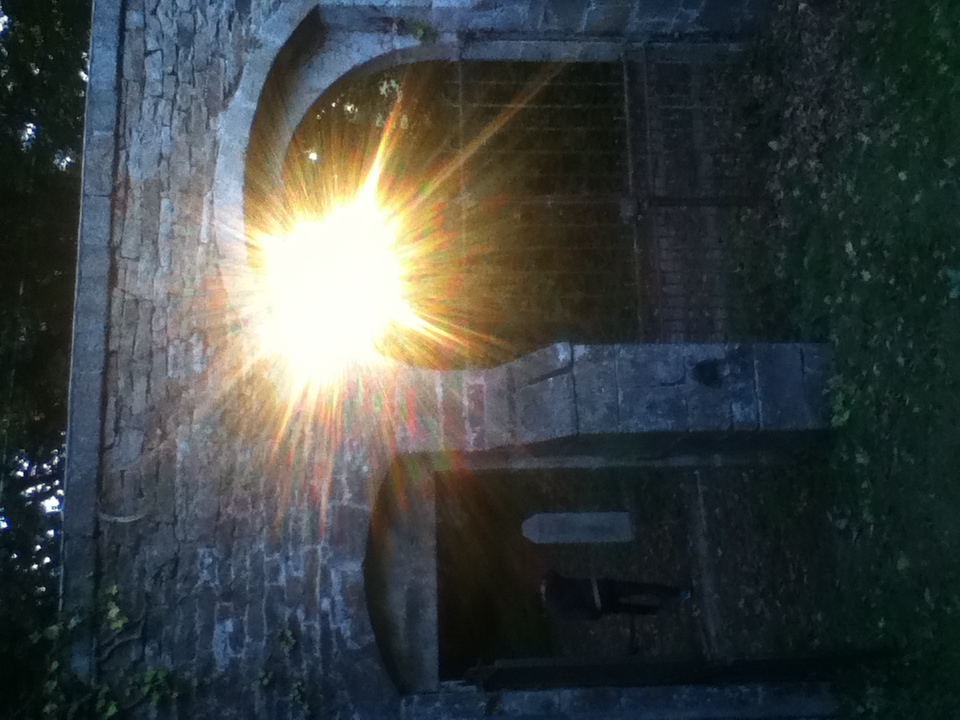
577,701
651,396
103,62
95,225
658,409
417,416
460,703
568,50
708,387
93,272
83,440
98,153
546,410
532,703
474,393
595,378
782,401
563,15
708,408
498,407
89,343
541,363
348,532
608,18
655,9
101,109
458,15
452,410
490,50
741,382
503,18
651,365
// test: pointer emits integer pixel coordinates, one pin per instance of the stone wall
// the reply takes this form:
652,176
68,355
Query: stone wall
233,543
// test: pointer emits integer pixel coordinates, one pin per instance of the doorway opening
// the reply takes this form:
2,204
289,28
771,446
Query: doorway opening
491,615
746,541
536,202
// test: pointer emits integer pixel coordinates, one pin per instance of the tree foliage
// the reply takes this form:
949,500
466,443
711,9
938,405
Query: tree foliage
42,83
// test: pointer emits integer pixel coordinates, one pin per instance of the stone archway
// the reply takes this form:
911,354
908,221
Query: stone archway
581,404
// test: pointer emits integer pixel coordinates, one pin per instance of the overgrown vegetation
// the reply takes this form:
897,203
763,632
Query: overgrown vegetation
855,106
42,85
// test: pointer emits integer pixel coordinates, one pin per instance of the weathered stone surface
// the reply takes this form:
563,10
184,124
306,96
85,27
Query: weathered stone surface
607,18
541,363
475,410
564,15
228,555
741,381
641,366
708,385
595,378
418,407
709,409
530,704
498,400
658,409
546,410
453,410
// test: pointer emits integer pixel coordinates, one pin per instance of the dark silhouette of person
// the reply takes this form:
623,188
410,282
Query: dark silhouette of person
592,598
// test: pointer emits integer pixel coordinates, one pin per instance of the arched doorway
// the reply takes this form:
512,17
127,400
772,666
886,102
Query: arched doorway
509,180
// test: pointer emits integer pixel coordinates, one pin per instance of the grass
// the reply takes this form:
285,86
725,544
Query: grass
857,111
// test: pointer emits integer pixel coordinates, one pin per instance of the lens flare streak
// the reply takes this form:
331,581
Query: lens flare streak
318,298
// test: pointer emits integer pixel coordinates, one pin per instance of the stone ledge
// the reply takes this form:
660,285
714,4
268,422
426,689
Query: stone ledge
583,391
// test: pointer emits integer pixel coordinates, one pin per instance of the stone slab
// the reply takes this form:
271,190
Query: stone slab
708,409
418,426
541,363
742,385
563,15
452,410
498,408
651,365
546,410
595,378
652,409
474,411
609,18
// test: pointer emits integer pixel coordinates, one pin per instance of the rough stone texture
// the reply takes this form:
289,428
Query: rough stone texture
236,526
546,410
595,378
543,363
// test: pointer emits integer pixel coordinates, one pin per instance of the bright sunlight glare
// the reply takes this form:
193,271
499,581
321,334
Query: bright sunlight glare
332,288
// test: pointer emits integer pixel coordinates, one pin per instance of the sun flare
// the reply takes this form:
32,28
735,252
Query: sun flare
332,289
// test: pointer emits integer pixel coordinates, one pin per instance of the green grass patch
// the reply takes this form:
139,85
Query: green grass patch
857,243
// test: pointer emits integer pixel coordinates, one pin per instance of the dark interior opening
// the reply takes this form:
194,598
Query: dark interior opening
509,180
490,612
748,542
